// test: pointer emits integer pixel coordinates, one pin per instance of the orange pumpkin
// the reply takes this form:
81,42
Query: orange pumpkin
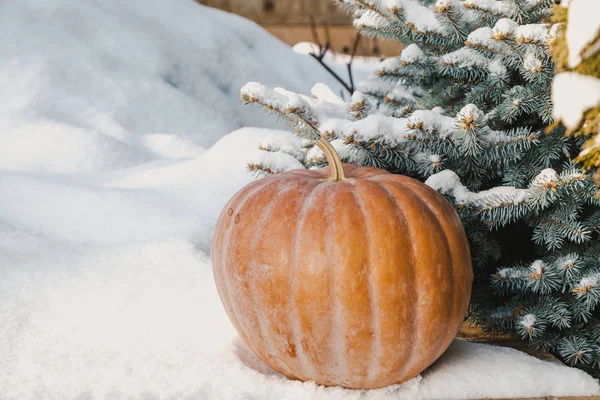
359,279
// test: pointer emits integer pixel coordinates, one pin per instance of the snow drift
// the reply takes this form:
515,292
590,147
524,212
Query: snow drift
117,83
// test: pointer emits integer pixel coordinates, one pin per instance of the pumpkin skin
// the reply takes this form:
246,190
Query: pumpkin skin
361,283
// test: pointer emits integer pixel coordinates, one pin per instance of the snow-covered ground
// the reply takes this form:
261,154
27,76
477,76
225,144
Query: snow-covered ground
114,163
114,84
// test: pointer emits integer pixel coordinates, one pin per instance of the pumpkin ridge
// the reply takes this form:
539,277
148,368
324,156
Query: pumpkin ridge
375,353
447,248
372,304
306,367
403,221
456,265
336,331
264,327
226,235
404,188
239,207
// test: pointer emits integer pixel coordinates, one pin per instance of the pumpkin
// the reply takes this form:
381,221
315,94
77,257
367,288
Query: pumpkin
345,276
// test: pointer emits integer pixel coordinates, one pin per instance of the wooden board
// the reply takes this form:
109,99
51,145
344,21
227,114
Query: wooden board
474,334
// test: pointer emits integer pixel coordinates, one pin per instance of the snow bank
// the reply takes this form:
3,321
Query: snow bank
105,79
112,173
142,320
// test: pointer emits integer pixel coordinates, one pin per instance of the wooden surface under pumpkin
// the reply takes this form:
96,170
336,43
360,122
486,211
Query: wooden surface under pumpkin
472,333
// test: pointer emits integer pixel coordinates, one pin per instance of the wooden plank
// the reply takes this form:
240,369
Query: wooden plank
283,11
474,334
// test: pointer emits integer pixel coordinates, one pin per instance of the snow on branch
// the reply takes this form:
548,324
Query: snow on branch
289,106
273,162
419,17
503,205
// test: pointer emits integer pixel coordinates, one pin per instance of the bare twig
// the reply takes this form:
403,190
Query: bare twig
333,73
323,49
349,65
317,39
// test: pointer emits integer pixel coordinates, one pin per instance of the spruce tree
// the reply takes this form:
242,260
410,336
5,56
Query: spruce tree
466,108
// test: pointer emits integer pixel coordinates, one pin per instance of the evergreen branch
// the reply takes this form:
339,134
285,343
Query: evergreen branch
515,140
575,350
372,8
259,170
268,107
485,11
447,13
484,48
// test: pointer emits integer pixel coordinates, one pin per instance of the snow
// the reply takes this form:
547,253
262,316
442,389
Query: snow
369,19
110,187
378,126
582,28
493,6
531,62
444,3
357,98
527,321
538,33
495,67
470,111
256,90
538,266
511,273
572,95
465,58
289,144
433,121
401,92
416,14
589,281
324,92
481,36
412,53
277,161
389,64
448,183
547,175
85,330
505,26
98,77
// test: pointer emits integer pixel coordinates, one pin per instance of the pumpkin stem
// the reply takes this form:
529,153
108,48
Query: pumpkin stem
333,158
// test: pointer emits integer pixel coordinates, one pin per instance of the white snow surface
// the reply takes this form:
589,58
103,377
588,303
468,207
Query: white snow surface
465,58
412,53
572,95
505,26
534,32
481,36
111,181
104,79
582,28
